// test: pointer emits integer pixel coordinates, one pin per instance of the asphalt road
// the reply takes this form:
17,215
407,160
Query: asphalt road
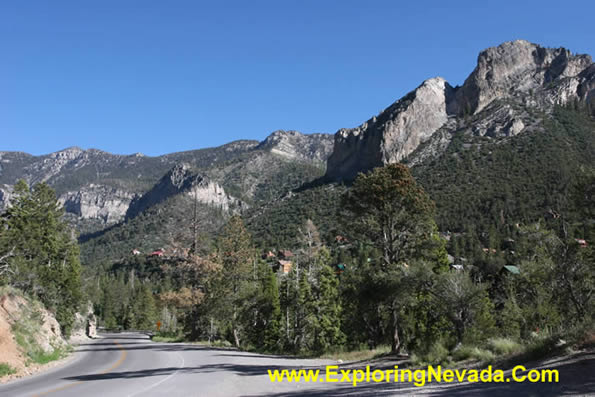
130,364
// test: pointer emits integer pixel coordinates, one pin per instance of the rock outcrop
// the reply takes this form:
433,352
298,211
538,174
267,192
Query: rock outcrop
5,195
295,145
392,135
495,100
85,326
25,327
101,202
181,179
517,68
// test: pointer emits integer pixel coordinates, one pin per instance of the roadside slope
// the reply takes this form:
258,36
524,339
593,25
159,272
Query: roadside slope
30,336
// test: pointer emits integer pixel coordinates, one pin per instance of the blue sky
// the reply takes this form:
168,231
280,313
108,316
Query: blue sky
163,76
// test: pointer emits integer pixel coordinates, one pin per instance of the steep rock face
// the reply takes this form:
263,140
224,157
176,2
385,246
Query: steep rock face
5,195
393,134
295,145
97,187
496,100
100,202
551,76
181,179
53,163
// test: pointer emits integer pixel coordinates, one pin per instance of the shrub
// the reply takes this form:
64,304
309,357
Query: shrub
437,354
466,352
6,369
504,346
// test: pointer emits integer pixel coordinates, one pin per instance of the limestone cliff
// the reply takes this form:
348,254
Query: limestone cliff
295,145
499,99
101,202
182,179
393,134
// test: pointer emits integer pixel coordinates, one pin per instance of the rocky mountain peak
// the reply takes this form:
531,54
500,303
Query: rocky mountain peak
520,67
69,153
394,133
516,72
183,179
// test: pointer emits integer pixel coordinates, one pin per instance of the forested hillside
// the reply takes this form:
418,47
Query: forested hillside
481,183
456,224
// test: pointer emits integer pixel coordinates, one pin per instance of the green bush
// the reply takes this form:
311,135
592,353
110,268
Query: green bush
6,369
24,331
42,357
437,354
466,352
504,346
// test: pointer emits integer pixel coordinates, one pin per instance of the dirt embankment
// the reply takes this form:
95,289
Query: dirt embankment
30,336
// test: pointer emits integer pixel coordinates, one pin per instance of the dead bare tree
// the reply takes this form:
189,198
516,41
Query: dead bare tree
4,264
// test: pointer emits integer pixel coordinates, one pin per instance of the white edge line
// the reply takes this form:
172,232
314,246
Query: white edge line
162,380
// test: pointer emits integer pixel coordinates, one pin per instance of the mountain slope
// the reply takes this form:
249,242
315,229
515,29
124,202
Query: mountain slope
509,86
504,148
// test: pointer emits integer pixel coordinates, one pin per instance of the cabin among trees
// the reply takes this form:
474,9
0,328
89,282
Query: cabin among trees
280,262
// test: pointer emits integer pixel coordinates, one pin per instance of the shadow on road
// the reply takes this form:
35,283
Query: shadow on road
577,374
238,369
576,378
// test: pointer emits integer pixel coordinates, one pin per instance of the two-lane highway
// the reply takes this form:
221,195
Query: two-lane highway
115,365
130,364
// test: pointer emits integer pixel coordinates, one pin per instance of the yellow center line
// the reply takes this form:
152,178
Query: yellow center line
69,385
117,363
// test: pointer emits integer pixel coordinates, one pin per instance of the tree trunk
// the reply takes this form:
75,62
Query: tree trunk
236,337
234,325
396,342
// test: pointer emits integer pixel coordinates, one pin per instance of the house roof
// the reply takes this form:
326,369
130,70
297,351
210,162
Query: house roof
512,269
286,253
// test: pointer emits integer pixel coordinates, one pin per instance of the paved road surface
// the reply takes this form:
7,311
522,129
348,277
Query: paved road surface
131,365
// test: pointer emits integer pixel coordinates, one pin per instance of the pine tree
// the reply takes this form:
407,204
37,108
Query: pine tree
389,211
305,324
272,311
328,333
237,257
145,310
44,254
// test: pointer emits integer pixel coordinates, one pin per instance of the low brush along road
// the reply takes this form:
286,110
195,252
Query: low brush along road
129,364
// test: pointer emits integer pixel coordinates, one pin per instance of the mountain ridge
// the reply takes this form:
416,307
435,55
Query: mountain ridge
92,183
524,73
513,91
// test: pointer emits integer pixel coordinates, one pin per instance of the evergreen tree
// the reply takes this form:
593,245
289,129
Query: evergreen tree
272,312
44,258
145,309
328,333
305,319
237,257
390,212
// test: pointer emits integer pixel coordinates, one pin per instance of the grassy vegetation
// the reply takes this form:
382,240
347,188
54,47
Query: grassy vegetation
6,369
507,352
216,343
504,346
42,357
182,338
473,353
168,338
358,355
436,354
25,331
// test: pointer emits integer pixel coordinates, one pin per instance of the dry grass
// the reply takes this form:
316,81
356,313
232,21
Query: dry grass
357,355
